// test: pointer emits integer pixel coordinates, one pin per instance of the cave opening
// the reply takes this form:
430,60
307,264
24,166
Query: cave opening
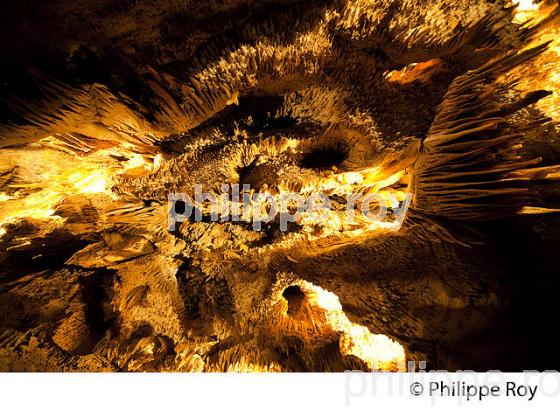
295,297
323,158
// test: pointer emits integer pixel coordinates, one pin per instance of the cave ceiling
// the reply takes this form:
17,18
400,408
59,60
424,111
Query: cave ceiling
108,107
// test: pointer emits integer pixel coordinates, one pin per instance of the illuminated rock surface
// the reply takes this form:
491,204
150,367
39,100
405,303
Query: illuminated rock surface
109,106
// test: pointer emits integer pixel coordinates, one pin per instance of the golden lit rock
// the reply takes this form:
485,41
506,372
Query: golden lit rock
413,148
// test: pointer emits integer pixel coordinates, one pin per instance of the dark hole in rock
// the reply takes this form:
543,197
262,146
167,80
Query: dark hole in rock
180,207
294,296
323,158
